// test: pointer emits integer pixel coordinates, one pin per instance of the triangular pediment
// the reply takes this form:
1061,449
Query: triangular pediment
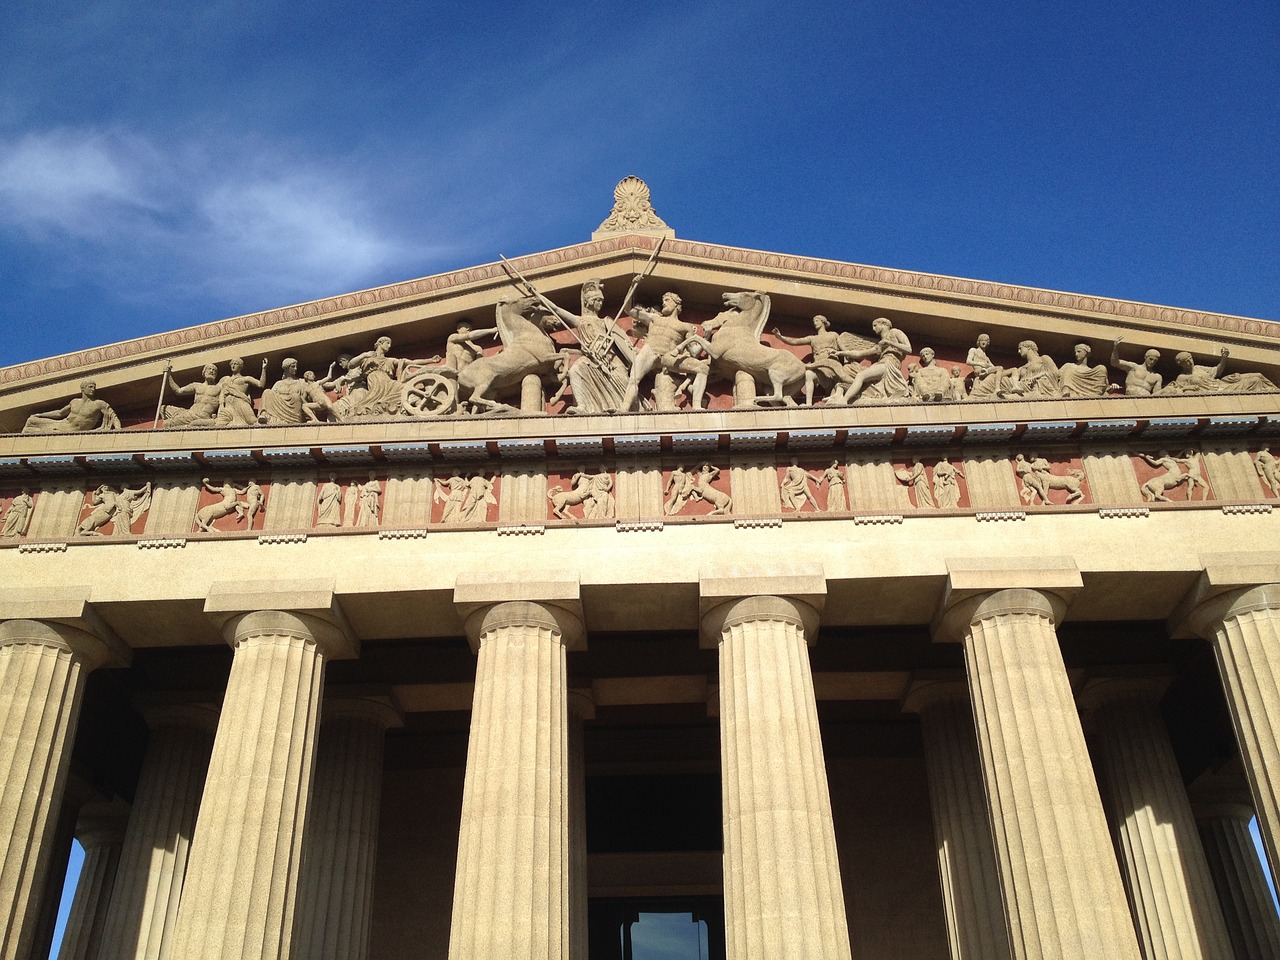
944,313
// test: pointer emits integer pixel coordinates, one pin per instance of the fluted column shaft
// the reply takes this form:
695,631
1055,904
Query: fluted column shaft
511,890
335,901
243,868
153,861
1063,896
1175,908
101,836
1244,627
783,894
1238,876
43,667
966,857
581,707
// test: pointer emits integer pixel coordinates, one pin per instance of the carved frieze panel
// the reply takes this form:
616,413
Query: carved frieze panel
697,488
16,508
584,493
465,497
228,504
933,483
1171,477
1043,481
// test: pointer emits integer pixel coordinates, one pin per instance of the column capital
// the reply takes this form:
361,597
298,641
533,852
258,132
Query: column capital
924,692
203,716
102,824
355,703
61,617
551,600
303,608
1229,584
980,588
731,594
1100,691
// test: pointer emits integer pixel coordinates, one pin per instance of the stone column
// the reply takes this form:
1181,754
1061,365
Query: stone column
335,897
1063,896
101,834
966,857
783,896
1246,902
43,666
153,861
581,707
511,891
1244,627
1170,889
242,873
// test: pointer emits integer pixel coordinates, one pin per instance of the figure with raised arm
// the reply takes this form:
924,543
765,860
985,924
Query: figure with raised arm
86,412
598,377
665,336
795,487
1198,379
884,377
1140,379
206,396
235,407
827,366
229,504
285,402
120,508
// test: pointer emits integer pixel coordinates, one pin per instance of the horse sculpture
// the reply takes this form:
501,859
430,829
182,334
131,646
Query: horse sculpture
735,348
526,349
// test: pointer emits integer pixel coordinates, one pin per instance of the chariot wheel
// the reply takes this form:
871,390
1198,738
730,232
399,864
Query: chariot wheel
429,394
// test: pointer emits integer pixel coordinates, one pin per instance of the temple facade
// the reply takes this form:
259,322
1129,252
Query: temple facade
835,611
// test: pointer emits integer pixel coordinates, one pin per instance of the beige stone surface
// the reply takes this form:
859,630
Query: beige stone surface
173,508
407,502
292,502
243,869
57,511
1232,475
962,831
1062,889
1171,893
524,493
1239,878
335,898
991,483
1112,480
43,666
754,482
153,860
783,894
515,804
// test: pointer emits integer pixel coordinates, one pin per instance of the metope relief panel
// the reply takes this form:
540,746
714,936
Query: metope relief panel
1232,474
1111,478
936,485
1166,477
992,484
464,498
812,487
16,507
586,493
350,502
698,490
226,505
110,510
874,487
754,481
1268,470
1044,482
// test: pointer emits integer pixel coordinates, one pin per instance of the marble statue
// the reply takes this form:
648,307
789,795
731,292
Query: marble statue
721,502
329,503
929,382
917,480
246,509
956,389
593,492
475,508
374,388
986,375
946,484
1140,379
121,508
285,401
883,379
1265,464
1177,471
1079,379
316,406
461,348
599,376
794,487
678,489
1037,378
827,368
18,517
632,208
526,350
85,412
1038,478
369,502
206,397
235,407
452,492
735,348
1198,379
664,349
601,504
837,492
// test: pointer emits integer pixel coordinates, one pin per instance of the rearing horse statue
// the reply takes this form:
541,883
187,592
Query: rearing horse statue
735,347
526,349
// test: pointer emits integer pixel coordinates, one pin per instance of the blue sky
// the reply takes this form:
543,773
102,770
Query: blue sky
163,165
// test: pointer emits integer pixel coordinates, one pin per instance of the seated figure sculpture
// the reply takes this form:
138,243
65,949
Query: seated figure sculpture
1079,379
1206,379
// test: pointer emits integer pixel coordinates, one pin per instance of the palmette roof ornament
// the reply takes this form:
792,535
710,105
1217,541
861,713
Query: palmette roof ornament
633,212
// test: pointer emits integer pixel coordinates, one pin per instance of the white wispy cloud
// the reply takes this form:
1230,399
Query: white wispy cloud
252,229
